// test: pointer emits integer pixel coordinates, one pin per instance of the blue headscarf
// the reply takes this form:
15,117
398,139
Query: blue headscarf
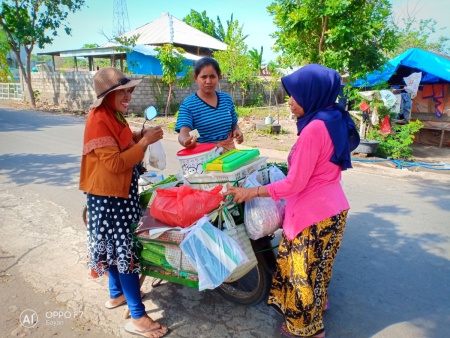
315,88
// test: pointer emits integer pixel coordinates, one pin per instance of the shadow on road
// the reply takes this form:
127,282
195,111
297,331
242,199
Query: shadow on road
53,169
387,273
32,120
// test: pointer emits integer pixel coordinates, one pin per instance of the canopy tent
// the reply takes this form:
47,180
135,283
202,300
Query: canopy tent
435,69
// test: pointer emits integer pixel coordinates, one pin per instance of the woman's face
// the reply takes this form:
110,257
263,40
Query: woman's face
296,109
120,99
207,79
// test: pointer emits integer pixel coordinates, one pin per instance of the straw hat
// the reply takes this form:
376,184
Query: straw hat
109,79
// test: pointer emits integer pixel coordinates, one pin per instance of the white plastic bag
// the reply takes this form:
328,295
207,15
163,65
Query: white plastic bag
214,254
156,155
388,98
275,174
374,118
412,83
262,215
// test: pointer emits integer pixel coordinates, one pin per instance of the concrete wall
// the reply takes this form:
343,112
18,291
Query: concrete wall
74,91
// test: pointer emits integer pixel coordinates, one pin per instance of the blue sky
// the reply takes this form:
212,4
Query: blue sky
258,24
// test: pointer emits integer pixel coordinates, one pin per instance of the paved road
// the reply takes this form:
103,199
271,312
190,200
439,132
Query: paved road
391,277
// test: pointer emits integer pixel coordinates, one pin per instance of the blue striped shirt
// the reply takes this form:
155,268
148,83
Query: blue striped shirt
213,124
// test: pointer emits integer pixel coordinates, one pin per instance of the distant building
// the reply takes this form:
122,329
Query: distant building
142,60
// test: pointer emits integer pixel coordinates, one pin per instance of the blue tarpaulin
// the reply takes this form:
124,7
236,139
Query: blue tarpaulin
435,68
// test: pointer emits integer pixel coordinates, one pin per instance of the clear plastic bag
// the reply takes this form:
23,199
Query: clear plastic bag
214,254
156,155
275,174
262,215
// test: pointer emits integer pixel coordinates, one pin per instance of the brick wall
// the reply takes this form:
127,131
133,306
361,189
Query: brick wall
75,91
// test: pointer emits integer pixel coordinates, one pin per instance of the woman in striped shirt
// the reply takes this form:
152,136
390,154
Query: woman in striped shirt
208,111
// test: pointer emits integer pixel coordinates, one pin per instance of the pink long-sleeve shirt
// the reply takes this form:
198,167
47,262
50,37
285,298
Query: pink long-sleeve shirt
312,188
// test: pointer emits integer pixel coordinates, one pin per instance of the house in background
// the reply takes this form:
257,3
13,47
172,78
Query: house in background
142,60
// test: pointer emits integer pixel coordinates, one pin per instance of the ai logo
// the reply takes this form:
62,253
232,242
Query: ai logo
28,318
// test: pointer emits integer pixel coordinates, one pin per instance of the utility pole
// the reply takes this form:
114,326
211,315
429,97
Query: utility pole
121,23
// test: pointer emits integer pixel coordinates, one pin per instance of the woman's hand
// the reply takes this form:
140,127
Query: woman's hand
151,135
185,139
241,194
189,142
238,136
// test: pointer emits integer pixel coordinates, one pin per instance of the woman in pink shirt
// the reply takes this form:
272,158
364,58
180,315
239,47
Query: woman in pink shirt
316,206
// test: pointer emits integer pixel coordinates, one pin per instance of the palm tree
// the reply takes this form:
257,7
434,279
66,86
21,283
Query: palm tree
256,60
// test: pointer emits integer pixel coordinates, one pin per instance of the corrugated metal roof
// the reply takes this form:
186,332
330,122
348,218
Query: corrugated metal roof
169,29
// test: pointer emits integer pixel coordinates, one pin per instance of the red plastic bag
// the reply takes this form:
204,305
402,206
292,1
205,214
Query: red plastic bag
364,106
182,206
385,126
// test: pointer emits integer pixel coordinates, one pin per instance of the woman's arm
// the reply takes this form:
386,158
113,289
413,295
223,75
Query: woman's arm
237,134
185,139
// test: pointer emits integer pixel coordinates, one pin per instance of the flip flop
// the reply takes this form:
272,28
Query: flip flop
131,328
109,306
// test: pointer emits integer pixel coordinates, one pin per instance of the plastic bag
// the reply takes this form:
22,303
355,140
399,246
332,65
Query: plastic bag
374,118
412,83
262,215
388,98
240,236
214,254
182,206
385,126
275,174
156,155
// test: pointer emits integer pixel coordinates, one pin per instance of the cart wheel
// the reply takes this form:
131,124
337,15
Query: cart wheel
251,289
254,287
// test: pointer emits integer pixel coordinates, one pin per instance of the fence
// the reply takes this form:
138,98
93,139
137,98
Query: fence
11,91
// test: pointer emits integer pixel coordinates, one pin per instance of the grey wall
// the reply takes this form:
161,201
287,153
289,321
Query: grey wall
75,91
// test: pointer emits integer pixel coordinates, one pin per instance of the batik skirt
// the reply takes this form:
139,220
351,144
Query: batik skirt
303,274
109,232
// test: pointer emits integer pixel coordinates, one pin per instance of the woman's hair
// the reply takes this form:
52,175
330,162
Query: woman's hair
203,62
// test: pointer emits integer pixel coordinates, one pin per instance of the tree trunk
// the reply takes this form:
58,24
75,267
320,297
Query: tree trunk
169,97
28,78
25,73
322,36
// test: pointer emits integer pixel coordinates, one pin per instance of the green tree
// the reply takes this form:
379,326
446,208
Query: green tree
415,33
235,61
202,23
256,60
351,35
227,34
172,64
34,22
4,49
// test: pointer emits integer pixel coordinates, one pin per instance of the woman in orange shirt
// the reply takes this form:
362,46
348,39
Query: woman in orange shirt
109,177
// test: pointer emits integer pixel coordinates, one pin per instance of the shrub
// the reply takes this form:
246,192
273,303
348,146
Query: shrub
397,144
